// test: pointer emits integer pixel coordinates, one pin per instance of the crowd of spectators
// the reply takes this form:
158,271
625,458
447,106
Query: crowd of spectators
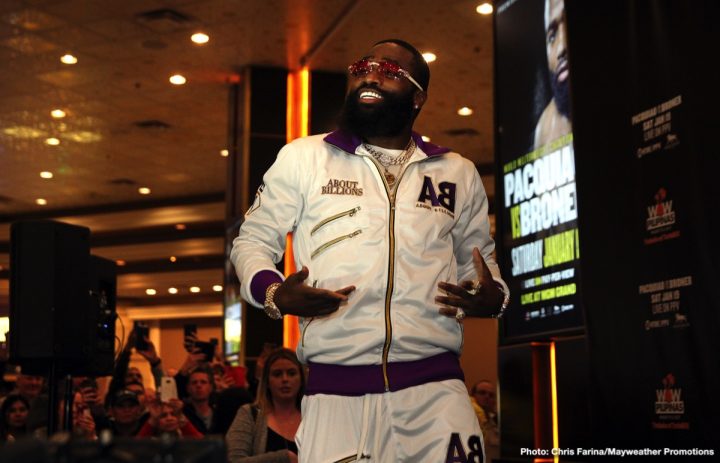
202,399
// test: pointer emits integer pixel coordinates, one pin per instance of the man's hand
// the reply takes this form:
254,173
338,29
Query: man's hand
193,359
294,297
189,342
485,302
90,395
150,353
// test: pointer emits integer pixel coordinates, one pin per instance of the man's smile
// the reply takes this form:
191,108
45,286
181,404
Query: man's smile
369,95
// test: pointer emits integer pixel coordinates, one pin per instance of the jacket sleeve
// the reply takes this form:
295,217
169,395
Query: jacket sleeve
146,430
118,377
240,440
190,432
473,230
275,212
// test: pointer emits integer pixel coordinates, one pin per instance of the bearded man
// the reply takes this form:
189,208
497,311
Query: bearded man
554,121
392,235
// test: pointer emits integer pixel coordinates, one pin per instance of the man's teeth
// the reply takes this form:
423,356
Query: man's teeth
370,94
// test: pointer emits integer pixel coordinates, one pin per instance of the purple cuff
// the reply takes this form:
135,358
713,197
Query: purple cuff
357,380
260,282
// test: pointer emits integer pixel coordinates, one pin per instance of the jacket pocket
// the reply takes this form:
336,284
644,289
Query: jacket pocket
323,247
332,218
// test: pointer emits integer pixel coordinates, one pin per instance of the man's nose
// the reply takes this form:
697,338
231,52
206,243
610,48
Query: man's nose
561,39
374,75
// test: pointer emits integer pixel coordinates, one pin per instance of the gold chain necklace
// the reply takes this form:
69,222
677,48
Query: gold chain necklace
387,160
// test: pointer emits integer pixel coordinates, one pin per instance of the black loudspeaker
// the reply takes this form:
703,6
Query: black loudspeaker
97,324
62,301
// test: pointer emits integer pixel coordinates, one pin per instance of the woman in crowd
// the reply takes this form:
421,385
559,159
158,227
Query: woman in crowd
264,432
13,417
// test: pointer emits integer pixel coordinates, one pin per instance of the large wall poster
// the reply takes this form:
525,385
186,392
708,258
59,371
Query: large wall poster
538,216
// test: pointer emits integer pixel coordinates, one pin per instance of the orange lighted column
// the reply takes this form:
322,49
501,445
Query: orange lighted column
298,109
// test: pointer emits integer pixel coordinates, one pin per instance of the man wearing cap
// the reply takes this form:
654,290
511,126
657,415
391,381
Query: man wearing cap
392,236
126,413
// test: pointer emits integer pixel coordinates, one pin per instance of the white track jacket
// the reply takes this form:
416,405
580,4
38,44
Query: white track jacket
348,230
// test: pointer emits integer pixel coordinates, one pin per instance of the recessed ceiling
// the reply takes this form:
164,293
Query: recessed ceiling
126,126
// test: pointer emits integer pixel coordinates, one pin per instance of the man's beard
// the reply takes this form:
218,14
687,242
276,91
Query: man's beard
561,93
384,118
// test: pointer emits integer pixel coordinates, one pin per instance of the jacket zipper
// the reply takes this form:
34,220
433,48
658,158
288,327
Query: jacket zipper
324,222
322,248
391,269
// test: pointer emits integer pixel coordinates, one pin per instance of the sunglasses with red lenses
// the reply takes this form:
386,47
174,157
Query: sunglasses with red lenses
387,69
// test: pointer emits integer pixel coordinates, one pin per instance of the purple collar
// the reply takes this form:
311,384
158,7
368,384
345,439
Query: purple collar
349,142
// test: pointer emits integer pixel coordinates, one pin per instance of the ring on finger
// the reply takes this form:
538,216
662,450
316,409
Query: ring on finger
475,287
459,315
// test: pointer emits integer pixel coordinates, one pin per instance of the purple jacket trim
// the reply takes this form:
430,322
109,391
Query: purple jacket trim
260,282
357,380
349,142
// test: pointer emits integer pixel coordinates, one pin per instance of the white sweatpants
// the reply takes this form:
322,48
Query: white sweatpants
432,423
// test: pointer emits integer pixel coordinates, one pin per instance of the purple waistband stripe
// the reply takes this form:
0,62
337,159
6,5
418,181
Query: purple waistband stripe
356,380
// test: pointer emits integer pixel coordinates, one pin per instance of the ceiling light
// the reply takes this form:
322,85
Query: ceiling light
484,8
46,174
217,288
172,290
68,59
180,226
150,292
224,153
52,141
200,38
194,289
465,111
177,79
57,113
120,263
173,259
143,190
82,136
22,131
425,138
41,201
429,56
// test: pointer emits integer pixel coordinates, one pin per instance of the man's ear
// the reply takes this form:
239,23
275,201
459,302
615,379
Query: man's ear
419,99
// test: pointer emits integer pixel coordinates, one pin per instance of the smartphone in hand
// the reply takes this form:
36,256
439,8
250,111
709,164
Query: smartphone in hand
168,389
206,348
189,332
141,332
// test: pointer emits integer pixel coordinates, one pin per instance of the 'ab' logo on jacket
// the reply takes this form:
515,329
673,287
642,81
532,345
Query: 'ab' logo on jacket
443,196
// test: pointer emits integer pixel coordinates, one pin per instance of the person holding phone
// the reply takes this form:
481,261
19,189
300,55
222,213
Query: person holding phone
90,396
166,417
145,347
124,374
82,419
